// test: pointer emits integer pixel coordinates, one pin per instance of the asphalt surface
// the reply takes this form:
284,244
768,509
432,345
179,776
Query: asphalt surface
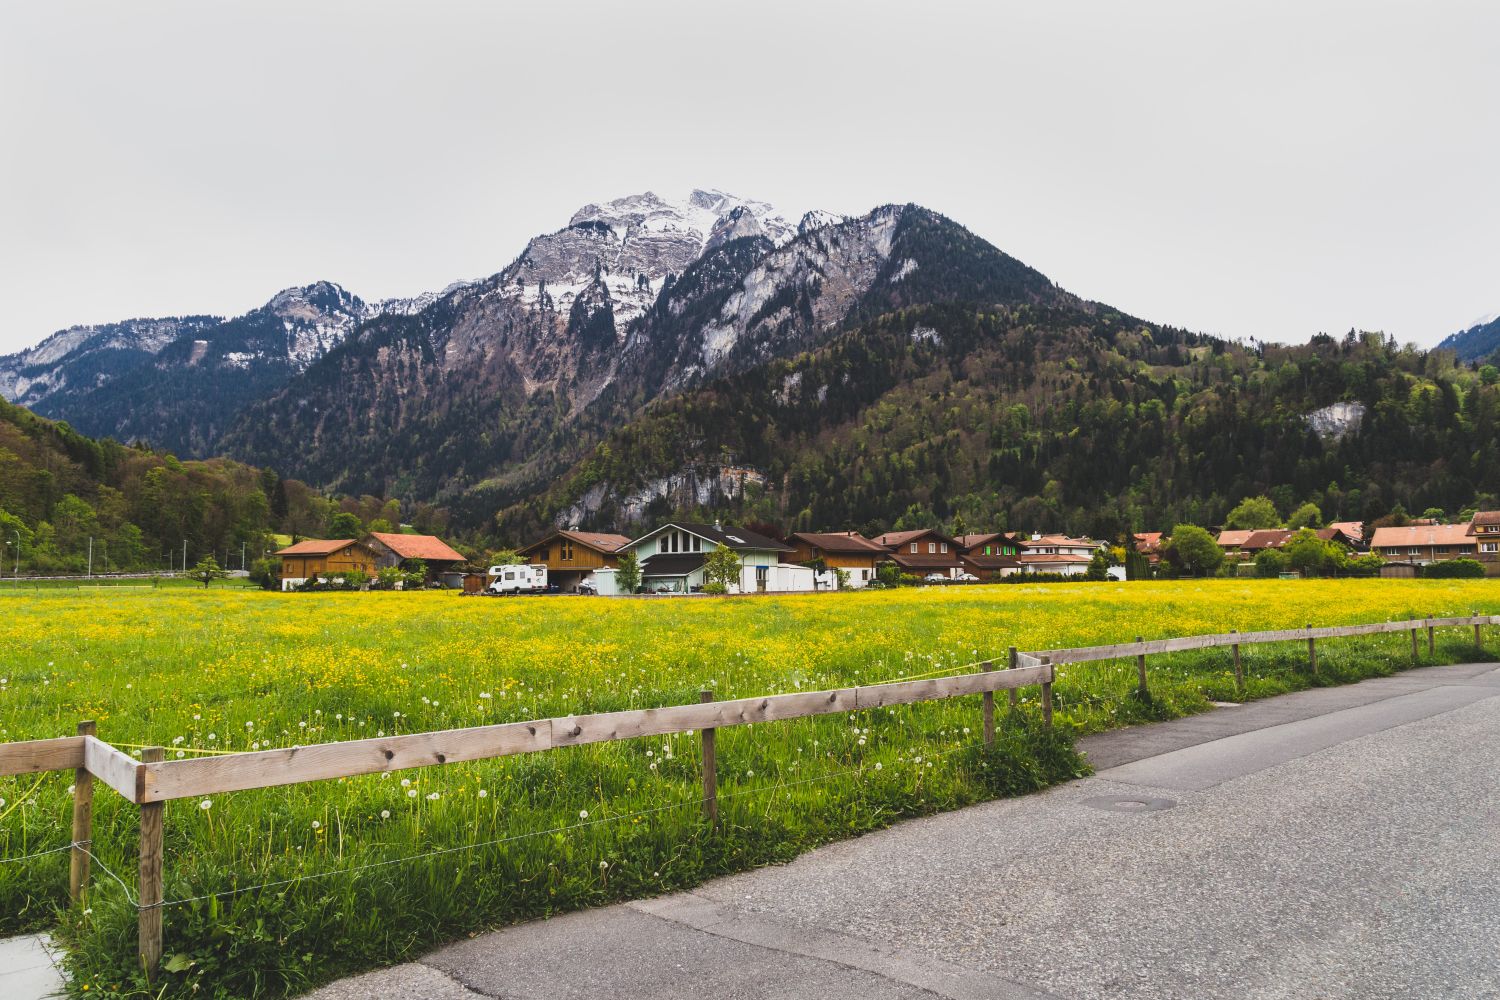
1336,843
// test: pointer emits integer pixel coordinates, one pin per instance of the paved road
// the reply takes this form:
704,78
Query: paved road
29,968
1337,843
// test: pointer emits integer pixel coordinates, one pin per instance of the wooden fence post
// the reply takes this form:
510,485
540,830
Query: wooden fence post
710,768
1140,669
1431,638
150,888
1047,693
83,824
1478,641
989,708
1312,651
1013,660
1416,657
1239,673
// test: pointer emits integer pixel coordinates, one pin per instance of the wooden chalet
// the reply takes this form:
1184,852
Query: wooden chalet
574,557
924,551
845,550
993,554
323,557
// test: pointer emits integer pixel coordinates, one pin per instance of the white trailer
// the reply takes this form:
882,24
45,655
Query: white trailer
518,579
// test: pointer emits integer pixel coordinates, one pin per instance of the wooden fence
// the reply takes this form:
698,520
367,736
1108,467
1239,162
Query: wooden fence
152,781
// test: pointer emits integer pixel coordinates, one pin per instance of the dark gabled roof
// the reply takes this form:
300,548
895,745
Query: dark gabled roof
679,564
840,542
1269,538
893,539
731,537
991,562
971,542
599,541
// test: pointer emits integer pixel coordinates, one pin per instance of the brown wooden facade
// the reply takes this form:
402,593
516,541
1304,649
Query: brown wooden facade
326,557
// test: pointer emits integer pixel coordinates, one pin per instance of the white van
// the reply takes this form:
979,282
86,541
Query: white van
518,579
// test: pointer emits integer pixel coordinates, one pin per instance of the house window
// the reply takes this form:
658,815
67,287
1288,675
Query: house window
913,548
945,548
932,548
1489,546
987,550
697,544
1413,552
567,551
542,555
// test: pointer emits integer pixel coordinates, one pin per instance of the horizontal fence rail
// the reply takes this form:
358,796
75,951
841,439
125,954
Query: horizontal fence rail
152,781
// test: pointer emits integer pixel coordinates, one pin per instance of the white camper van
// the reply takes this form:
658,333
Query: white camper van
518,579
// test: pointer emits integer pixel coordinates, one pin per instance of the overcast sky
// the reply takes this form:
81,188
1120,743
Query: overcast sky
1259,170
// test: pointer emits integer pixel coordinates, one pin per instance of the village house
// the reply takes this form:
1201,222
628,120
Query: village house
1349,533
992,554
923,552
322,558
1059,554
1149,544
1420,544
672,560
1267,538
854,554
1231,539
1485,530
437,556
574,558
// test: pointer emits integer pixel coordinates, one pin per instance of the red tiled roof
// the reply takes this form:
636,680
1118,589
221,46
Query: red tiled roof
604,541
1233,538
428,547
316,547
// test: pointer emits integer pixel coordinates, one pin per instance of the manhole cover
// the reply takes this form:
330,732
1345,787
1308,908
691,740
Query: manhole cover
1118,803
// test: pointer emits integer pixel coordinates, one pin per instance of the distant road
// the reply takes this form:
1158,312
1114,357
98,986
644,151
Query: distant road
1336,843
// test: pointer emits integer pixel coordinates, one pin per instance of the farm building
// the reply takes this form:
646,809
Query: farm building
845,550
395,550
574,557
1425,543
323,557
672,560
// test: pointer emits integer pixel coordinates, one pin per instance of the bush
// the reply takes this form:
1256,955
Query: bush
715,588
1271,563
1454,569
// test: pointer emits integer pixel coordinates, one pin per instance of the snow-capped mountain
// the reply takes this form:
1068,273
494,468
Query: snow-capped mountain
83,357
178,382
501,381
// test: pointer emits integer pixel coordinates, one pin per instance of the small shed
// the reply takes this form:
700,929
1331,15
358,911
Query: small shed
392,549
1398,571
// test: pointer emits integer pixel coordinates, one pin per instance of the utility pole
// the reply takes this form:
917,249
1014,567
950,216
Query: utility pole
184,555
242,557
91,555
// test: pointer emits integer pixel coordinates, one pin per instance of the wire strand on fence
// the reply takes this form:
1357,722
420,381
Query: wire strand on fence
38,854
696,802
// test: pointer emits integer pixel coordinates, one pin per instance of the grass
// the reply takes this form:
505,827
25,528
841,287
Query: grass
230,669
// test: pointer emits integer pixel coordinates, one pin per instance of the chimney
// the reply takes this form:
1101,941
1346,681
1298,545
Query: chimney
717,525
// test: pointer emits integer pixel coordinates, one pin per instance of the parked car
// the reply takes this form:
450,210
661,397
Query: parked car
966,578
935,578
588,587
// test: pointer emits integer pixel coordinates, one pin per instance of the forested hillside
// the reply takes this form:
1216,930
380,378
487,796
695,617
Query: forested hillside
59,488
1068,417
